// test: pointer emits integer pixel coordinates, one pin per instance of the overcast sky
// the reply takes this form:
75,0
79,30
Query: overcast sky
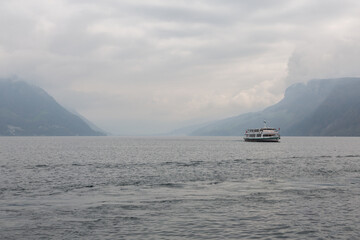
150,66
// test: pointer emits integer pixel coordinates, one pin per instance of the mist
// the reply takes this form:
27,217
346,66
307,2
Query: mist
135,67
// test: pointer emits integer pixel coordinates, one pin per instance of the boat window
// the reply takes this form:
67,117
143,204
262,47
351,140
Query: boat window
268,135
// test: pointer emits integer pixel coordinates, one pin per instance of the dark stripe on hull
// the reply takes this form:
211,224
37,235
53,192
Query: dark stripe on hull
261,139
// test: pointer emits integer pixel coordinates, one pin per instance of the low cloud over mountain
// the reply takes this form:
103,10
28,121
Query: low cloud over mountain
327,107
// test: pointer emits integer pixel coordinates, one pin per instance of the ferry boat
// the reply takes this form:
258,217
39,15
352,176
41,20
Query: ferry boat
264,134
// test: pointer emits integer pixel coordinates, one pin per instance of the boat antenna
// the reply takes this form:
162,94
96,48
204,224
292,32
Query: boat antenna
264,123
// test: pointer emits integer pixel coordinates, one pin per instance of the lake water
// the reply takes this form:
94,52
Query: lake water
179,188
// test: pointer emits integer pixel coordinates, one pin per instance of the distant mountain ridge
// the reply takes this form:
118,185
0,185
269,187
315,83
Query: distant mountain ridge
325,107
27,110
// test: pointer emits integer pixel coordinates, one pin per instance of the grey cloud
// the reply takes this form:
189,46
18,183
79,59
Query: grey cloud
324,58
188,15
168,62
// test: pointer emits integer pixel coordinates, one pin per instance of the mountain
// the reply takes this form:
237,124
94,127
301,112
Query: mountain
337,115
27,110
325,107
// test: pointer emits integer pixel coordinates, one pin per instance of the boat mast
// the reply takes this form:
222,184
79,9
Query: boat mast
264,124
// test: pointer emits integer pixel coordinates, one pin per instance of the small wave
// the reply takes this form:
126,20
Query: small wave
306,232
41,165
214,183
13,189
310,157
352,170
78,165
165,201
171,185
348,156
325,172
167,163
315,191
130,218
69,188
239,160
106,207
183,164
131,207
